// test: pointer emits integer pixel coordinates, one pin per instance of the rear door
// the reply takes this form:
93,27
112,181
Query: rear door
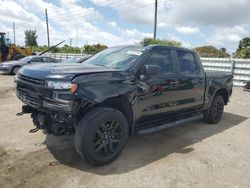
191,82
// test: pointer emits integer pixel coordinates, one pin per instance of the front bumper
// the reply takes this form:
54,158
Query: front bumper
5,70
56,105
42,104
32,93
51,115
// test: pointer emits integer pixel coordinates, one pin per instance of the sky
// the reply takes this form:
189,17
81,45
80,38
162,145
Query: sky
221,23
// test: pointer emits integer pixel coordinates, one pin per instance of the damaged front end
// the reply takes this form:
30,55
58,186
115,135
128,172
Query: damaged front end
52,122
54,110
57,123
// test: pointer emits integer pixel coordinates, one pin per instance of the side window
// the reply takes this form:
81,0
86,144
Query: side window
35,59
48,60
161,58
187,62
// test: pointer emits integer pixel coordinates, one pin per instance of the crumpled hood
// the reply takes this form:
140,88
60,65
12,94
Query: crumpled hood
61,71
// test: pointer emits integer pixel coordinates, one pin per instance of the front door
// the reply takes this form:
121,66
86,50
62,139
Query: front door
158,93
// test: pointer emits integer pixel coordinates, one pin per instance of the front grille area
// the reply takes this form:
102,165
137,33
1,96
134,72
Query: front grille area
28,99
28,90
30,80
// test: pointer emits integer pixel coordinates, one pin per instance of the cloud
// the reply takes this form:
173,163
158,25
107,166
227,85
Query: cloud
178,12
224,35
138,11
187,30
129,33
67,20
228,37
207,12
112,22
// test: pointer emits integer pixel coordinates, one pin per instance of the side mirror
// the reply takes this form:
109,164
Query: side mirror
152,70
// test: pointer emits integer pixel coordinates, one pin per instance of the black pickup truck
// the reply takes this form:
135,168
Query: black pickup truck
120,92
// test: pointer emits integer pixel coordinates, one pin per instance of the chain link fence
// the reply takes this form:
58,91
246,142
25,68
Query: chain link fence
240,68
63,56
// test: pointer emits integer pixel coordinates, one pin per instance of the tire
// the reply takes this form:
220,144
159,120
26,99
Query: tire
215,112
18,56
101,135
15,70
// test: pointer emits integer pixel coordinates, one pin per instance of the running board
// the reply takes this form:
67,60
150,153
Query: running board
158,128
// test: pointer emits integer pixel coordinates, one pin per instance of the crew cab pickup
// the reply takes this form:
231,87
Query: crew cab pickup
120,92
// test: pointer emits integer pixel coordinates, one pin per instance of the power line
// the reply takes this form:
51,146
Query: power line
86,16
76,13
61,20
109,16
39,14
76,5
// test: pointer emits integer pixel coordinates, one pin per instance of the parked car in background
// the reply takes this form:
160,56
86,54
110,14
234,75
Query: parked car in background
12,67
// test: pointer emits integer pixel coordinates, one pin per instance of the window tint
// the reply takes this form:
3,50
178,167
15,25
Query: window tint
187,62
162,58
35,59
48,60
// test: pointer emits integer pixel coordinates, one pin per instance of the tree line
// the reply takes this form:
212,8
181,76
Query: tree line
243,50
31,41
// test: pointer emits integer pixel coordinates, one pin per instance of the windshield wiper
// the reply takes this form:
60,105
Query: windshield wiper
100,65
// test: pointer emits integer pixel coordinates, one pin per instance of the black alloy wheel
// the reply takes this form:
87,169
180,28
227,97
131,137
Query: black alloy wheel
215,112
218,110
101,135
107,138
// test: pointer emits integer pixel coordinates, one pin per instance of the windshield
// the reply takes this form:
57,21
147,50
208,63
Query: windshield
117,57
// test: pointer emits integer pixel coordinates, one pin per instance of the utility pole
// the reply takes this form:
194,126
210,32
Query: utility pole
155,23
70,42
47,23
14,32
76,36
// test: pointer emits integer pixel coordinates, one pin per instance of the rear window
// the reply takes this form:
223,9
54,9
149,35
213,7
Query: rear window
187,62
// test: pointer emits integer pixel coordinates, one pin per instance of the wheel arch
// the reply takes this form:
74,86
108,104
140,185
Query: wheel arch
121,104
224,93
12,69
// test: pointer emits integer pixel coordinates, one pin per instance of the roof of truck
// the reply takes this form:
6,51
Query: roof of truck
158,46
